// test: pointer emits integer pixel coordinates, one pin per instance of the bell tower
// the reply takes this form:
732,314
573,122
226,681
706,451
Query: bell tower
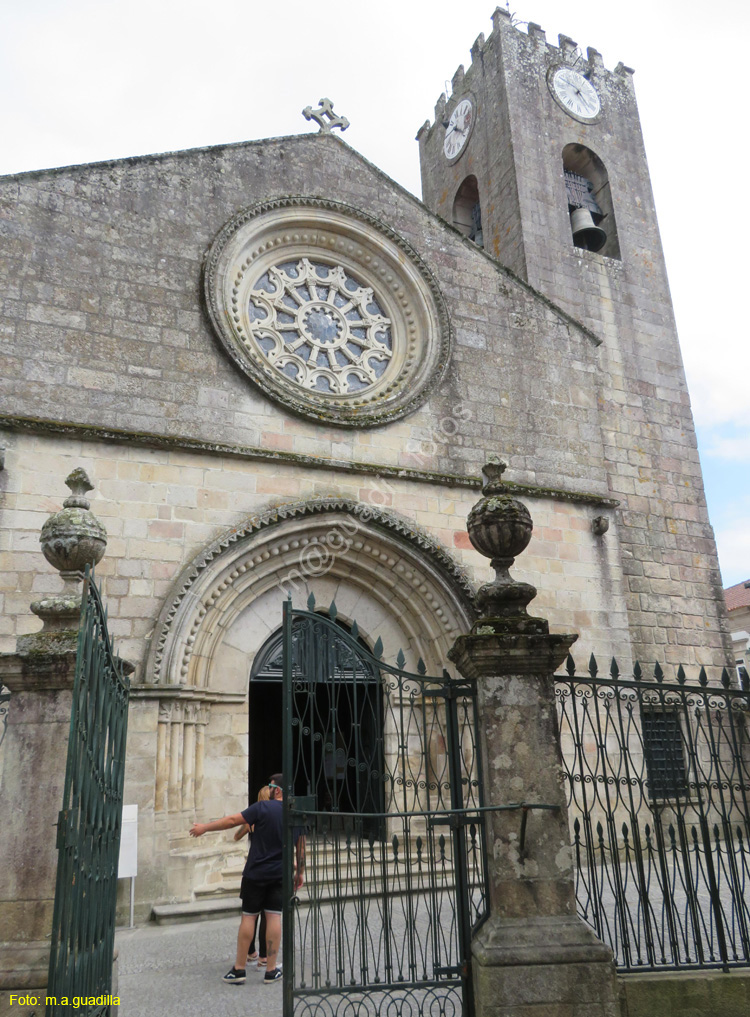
542,146
537,156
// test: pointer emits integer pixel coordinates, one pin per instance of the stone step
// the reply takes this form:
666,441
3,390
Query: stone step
197,910
327,887
327,881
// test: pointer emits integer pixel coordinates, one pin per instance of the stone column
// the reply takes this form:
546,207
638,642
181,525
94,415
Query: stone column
40,677
533,956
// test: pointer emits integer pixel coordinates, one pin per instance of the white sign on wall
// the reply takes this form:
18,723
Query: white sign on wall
128,865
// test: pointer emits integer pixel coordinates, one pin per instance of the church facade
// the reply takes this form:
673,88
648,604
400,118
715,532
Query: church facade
284,373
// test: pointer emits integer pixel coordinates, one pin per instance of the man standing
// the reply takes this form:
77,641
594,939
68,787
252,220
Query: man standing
261,878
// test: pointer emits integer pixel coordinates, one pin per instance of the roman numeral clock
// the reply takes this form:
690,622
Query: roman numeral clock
574,93
458,129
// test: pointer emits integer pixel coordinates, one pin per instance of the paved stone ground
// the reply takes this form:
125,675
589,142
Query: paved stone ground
177,969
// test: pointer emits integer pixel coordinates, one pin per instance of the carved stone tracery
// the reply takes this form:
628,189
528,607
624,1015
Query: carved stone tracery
367,347
318,325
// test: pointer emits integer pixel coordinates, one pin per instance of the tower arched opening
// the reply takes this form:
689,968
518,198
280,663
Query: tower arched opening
589,197
467,211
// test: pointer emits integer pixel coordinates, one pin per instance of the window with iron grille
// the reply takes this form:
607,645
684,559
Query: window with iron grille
665,759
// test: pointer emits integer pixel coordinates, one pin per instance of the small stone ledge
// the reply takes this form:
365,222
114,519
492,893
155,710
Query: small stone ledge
181,443
678,993
196,910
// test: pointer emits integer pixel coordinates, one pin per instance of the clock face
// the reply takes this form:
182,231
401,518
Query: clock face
575,94
458,130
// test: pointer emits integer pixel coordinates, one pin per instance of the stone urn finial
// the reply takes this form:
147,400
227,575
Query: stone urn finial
500,528
71,539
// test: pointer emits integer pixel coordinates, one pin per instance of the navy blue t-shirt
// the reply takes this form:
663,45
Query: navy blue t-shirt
263,863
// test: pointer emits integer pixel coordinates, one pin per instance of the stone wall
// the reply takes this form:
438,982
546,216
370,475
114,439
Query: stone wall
516,153
679,994
187,743
161,508
103,317
103,320
109,361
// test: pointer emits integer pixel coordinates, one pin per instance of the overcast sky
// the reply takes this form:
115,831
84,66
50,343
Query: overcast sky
83,81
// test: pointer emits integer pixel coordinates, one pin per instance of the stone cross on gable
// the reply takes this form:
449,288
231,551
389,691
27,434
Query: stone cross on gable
319,116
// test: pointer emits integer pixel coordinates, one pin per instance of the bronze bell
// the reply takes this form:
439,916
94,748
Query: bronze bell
586,233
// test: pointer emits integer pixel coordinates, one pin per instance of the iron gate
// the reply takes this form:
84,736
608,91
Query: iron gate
382,777
88,826
658,779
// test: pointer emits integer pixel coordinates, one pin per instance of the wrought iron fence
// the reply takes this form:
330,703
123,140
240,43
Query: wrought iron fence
383,774
658,779
88,826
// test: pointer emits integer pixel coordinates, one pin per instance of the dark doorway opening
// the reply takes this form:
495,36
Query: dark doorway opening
341,765
265,734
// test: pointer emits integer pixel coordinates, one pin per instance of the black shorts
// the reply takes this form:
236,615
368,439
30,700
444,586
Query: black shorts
257,897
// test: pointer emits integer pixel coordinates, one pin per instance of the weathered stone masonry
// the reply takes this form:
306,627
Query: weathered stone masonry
562,361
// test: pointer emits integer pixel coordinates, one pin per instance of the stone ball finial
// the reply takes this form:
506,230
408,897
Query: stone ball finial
73,538
499,525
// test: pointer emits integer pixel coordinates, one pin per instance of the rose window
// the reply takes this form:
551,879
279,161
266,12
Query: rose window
319,325
328,311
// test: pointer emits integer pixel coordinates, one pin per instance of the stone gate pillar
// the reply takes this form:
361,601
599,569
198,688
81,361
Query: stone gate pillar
533,956
40,677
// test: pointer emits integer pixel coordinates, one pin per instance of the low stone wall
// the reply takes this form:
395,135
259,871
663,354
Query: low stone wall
685,994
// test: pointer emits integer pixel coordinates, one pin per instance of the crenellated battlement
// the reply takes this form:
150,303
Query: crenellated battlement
532,43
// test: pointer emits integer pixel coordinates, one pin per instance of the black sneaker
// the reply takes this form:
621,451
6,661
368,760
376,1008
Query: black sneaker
272,976
235,976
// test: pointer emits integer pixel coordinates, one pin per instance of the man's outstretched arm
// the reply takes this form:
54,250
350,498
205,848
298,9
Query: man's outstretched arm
226,823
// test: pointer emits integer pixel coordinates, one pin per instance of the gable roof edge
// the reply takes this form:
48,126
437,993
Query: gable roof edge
305,138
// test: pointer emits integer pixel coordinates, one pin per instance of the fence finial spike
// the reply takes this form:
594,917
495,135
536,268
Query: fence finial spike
725,678
377,650
570,666
658,673
333,611
703,677
311,602
400,659
681,676
355,629
593,666
421,666
637,673
614,670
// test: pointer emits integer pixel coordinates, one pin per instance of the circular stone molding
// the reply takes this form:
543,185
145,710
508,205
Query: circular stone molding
328,311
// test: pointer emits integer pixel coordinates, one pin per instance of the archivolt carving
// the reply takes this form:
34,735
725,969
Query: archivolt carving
289,547
328,310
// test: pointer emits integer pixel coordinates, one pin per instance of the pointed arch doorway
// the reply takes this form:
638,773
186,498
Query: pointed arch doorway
349,690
